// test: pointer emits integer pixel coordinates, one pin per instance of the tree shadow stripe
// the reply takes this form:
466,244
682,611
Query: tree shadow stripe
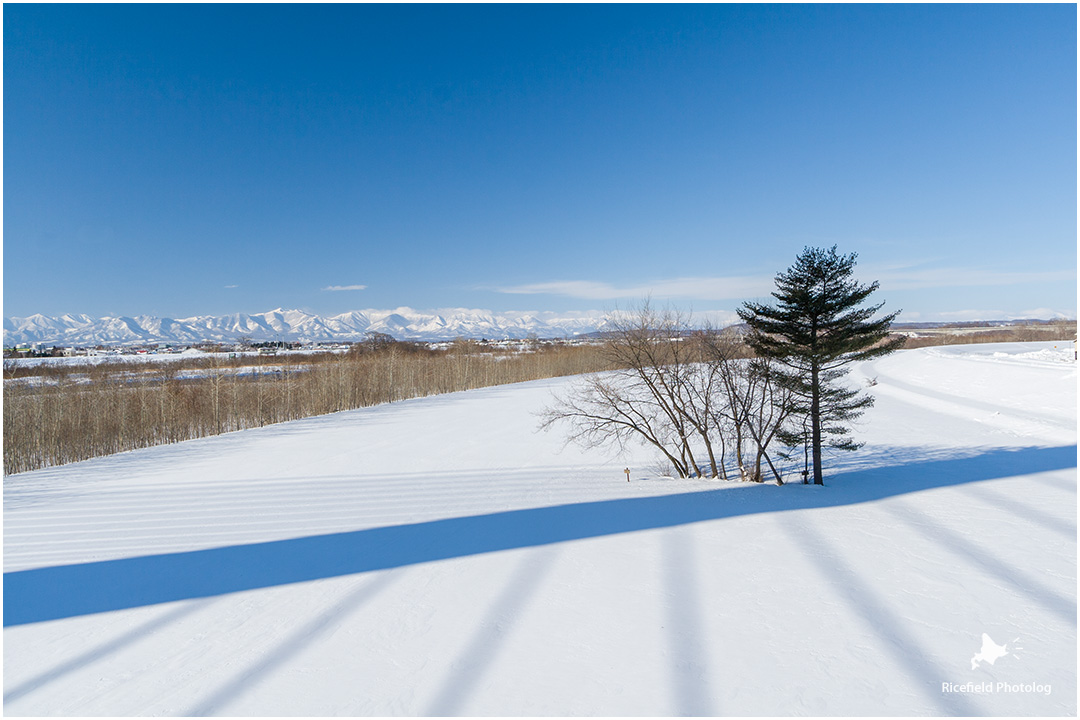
482,650
1022,582
63,591
101,651
876,615
299,640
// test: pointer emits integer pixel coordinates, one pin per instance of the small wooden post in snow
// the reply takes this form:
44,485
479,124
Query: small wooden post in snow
627,471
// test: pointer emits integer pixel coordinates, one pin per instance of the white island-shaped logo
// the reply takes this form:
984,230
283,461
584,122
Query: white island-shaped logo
990,652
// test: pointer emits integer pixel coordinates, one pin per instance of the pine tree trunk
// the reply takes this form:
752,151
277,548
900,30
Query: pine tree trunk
815,423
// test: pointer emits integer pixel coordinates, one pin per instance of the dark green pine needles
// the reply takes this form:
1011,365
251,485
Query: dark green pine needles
815,330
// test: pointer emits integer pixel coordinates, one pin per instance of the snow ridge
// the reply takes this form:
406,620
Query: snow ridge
297,325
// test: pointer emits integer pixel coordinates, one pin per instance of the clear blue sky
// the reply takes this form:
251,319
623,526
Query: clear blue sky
194,159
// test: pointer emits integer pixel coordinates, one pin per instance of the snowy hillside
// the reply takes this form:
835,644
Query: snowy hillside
297,325
440,557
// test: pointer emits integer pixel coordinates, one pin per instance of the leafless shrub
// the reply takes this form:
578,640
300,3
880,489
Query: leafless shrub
694,396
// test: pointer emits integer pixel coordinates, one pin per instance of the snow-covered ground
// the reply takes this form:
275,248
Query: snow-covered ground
136,360
440,557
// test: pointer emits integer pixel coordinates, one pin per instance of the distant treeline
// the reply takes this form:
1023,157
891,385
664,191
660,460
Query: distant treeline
1053,330
57,414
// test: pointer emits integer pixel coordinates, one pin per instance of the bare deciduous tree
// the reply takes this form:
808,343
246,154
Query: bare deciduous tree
691,395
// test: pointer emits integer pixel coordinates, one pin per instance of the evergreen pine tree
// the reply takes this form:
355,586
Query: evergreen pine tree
815,330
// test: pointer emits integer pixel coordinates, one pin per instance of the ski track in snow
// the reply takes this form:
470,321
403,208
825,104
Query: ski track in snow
438,556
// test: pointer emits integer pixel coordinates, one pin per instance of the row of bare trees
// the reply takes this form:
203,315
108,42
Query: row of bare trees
1054,330
74,415
698,396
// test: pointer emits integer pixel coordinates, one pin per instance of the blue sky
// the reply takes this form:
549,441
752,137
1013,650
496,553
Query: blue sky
208,159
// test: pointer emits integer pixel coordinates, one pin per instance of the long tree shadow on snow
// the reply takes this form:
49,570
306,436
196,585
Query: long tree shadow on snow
64,591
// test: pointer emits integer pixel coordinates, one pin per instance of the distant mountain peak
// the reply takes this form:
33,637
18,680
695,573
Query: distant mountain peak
404,323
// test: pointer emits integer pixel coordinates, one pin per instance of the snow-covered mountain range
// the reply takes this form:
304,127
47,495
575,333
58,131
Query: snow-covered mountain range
296,325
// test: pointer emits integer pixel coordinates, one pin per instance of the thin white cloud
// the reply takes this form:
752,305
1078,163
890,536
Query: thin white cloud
741,287
979,315
919,278
695,288
339,288
230,287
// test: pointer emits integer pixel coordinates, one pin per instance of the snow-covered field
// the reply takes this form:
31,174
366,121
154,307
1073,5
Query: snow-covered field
136,360
440,557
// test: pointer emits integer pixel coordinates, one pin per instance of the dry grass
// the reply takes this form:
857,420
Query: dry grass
1054,330
61,414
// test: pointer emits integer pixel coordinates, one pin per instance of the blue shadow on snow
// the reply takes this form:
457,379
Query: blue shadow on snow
64,591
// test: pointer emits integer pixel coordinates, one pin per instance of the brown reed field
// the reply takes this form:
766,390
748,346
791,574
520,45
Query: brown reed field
63,413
